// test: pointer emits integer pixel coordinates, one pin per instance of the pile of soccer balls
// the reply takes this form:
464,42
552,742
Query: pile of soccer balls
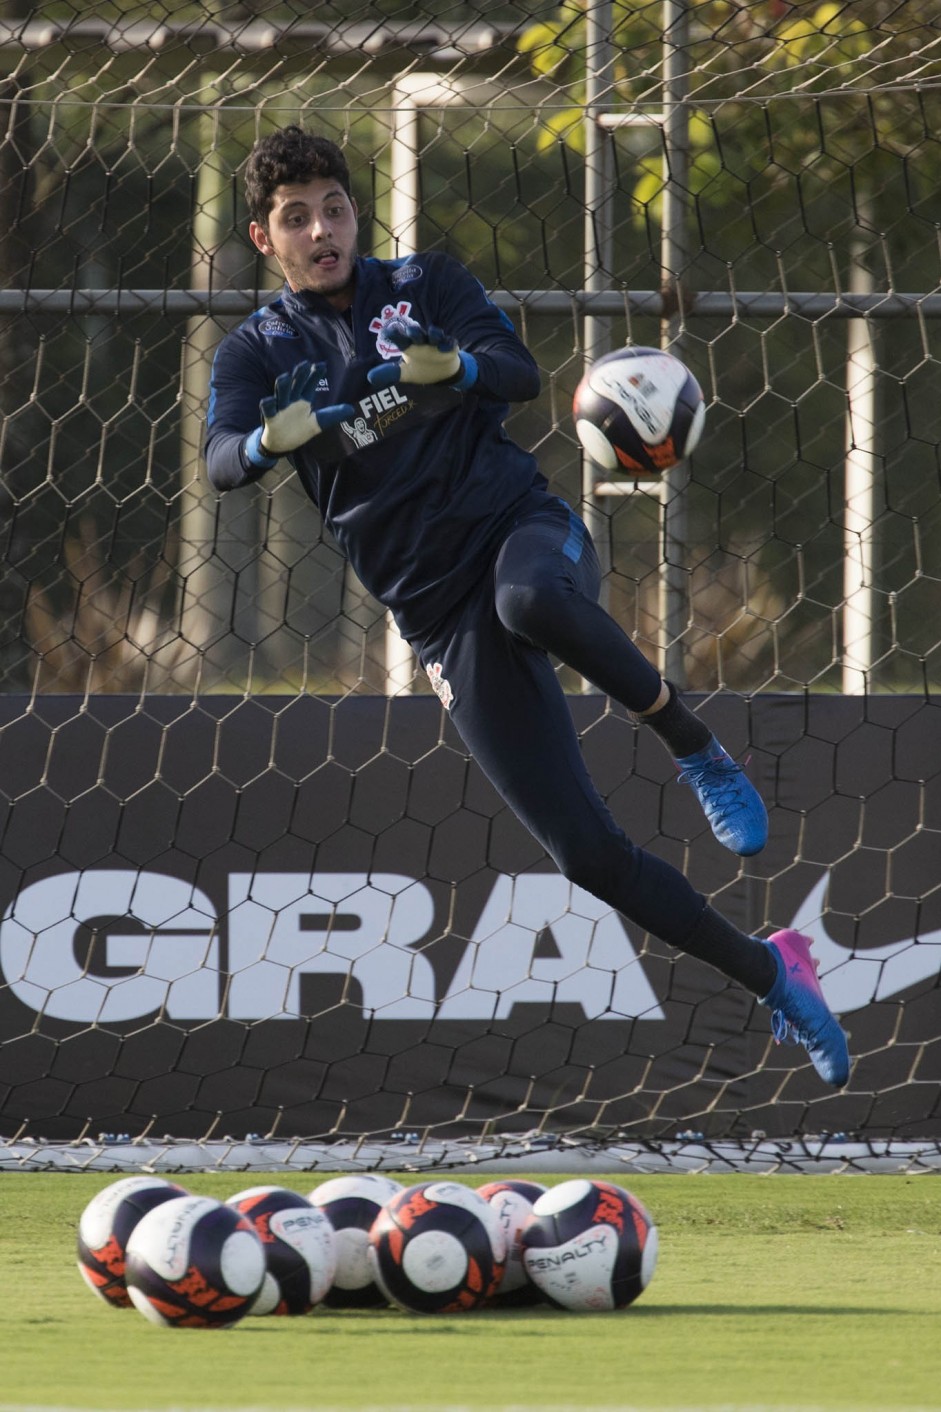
359,1241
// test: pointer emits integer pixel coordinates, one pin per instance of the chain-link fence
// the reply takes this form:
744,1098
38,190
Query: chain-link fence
243,890
735,179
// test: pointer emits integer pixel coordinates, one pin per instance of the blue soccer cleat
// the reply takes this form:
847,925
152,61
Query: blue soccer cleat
800,1013
731,803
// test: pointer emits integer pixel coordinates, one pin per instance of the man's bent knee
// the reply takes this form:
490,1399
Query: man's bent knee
529,610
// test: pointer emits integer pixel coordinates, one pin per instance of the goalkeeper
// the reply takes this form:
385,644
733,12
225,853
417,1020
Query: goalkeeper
385,383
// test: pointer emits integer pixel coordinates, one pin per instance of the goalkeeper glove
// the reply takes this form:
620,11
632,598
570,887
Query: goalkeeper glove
288,417
428,356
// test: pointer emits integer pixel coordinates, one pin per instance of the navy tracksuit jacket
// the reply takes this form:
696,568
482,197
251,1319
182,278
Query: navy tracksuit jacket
450,524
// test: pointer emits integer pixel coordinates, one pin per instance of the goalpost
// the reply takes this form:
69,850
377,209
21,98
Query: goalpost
257,909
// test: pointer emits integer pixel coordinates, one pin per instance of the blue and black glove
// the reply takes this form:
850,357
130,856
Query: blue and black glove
429,356
288,417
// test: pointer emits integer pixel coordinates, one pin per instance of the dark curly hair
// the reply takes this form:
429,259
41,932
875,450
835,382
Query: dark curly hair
285,157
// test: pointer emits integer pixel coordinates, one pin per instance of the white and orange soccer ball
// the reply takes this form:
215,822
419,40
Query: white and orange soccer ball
352,1204
299,1244
638,411
513,1199
106,1226
590,1245
194,1263
437,1247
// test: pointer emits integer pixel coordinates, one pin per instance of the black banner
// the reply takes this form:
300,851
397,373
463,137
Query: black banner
311,916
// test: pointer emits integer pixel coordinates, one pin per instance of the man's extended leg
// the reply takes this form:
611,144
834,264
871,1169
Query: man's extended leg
507,704
548,583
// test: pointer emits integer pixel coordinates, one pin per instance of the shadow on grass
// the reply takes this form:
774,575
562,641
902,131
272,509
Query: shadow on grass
547,1320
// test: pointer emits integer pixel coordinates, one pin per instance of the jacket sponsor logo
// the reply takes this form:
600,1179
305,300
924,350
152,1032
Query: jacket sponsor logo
379,411
402,310
275,327
359,433
406,275
113,945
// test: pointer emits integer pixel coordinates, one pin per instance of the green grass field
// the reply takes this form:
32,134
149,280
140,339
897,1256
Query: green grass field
794,1292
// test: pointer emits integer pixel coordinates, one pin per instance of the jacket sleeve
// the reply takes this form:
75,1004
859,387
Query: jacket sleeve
507,370
237,384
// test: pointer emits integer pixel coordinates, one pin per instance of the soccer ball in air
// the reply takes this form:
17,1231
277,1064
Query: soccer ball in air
194,1263
105,1227
299,1245
589,1245
352,1204
513,1200
437,1247
638,410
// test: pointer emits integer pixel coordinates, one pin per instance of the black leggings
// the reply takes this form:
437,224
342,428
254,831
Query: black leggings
490,661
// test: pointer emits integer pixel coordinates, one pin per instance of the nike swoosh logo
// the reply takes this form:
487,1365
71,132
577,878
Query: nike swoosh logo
853,979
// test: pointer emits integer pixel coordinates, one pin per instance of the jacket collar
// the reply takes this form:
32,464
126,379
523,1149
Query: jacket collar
312,303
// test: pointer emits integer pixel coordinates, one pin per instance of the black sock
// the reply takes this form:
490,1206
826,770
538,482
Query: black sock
742,958
681,732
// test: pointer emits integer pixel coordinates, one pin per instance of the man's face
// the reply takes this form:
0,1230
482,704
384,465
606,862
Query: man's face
311,232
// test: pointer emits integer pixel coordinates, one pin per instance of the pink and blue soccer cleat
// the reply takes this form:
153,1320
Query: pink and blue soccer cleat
800,1013
731,803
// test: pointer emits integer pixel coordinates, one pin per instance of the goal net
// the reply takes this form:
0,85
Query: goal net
258,907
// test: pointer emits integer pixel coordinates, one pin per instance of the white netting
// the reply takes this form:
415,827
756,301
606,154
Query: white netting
199,693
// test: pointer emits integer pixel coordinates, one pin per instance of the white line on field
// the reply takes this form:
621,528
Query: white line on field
464,1407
